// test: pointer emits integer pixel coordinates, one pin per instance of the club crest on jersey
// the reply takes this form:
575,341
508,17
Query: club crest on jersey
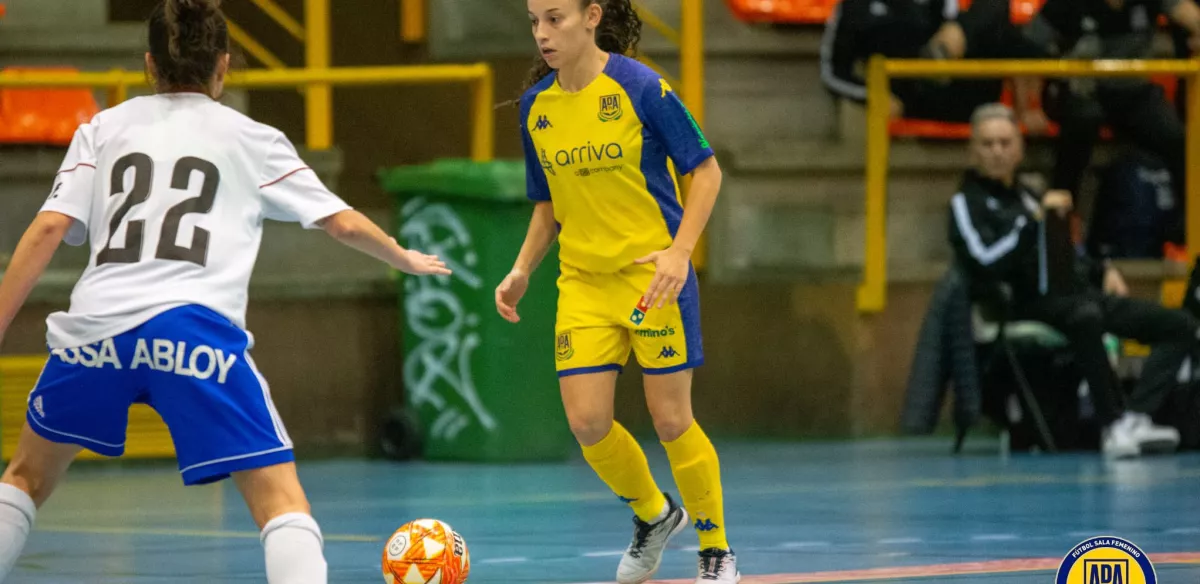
563,350
610,108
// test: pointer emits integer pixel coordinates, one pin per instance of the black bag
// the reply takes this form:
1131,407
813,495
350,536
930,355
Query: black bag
1172,374
1134,209
1054,380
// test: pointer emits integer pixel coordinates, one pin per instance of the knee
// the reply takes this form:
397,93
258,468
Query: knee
672,424
590,427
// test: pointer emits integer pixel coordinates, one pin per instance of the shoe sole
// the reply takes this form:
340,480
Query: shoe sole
683,523
1158,446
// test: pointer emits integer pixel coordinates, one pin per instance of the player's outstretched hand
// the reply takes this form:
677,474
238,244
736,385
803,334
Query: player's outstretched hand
509,293
670,274
419,264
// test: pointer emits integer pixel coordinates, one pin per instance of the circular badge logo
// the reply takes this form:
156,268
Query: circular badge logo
1106,560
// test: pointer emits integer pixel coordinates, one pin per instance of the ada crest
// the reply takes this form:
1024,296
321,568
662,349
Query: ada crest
610,108
563,350
1106,560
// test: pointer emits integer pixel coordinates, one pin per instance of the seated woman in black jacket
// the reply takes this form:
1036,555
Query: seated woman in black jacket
999,232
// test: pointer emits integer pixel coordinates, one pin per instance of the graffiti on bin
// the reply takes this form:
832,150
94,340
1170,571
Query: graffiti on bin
445,333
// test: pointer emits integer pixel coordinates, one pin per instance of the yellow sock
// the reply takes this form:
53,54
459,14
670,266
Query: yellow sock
622,466
698,476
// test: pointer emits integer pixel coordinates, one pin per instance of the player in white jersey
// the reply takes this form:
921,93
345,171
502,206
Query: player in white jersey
170,191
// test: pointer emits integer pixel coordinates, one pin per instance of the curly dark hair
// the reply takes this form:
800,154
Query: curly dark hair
619,32
187,38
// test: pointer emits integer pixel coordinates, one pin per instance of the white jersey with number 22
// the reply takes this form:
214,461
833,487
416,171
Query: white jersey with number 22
170,192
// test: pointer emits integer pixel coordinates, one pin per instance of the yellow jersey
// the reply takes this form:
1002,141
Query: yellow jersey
606,157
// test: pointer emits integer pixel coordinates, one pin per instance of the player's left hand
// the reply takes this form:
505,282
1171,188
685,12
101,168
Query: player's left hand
419,264
671,272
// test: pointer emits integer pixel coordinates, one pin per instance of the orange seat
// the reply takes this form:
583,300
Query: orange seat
44,116
782,11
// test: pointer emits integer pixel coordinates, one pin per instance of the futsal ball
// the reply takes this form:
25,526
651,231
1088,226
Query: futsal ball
426,551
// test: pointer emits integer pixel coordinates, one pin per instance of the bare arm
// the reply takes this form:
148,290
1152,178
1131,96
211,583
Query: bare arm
541,235
357,231
29,261
701,198
673,265
543,230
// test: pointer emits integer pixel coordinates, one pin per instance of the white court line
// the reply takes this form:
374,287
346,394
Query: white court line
995,537
604,554
1184,530
804,544
899,540
503,561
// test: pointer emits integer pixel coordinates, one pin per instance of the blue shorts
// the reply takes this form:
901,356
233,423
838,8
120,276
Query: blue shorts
193,367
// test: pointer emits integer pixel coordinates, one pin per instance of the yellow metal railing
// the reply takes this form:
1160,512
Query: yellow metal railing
872,291
479,76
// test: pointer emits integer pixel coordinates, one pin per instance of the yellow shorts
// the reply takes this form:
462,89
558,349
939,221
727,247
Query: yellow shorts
601,318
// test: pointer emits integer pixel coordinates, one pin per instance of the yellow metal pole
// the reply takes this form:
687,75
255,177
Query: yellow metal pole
281,16
253,47
656,22
412,20
872,292
319,99
119,91
691,73
691,57
483,139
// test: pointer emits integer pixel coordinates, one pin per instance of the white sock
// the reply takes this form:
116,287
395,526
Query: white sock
16,519
293,545
662,515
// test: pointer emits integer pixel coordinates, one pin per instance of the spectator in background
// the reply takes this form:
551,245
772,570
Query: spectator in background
1134,107
858,29
1000,230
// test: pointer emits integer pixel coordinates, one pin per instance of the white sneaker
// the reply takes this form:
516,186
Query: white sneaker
1117,440
644,554
718,566
1152,438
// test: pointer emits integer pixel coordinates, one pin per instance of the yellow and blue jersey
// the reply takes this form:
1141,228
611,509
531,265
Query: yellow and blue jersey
606,156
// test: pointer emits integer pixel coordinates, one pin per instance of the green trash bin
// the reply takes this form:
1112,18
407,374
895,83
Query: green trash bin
482,389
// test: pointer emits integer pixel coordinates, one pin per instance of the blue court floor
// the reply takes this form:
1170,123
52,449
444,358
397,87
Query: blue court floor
876,511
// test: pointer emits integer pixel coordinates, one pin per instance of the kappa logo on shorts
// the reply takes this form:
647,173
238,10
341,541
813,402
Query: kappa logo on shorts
563,350
37,406
668,353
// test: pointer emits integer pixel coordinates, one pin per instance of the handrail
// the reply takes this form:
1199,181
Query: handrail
479,76
281,17
872,291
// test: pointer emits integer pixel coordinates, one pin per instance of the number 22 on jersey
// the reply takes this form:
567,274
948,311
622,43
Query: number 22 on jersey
130,251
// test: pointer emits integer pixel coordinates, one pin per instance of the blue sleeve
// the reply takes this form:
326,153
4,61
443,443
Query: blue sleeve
674,127
536,187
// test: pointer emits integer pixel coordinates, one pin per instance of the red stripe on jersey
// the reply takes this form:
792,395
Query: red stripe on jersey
280,179
76,167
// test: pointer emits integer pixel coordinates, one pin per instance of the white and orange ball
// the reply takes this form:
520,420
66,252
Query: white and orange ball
426,551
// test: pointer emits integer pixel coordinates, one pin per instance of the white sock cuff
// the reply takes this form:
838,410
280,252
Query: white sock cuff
293,521
20,500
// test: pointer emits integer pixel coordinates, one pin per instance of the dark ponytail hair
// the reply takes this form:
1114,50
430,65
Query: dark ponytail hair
619,32
187,39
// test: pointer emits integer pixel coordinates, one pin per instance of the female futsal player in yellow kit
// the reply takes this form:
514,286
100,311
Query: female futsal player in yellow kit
603,135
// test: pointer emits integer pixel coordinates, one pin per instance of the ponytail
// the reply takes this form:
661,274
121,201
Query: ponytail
187,39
